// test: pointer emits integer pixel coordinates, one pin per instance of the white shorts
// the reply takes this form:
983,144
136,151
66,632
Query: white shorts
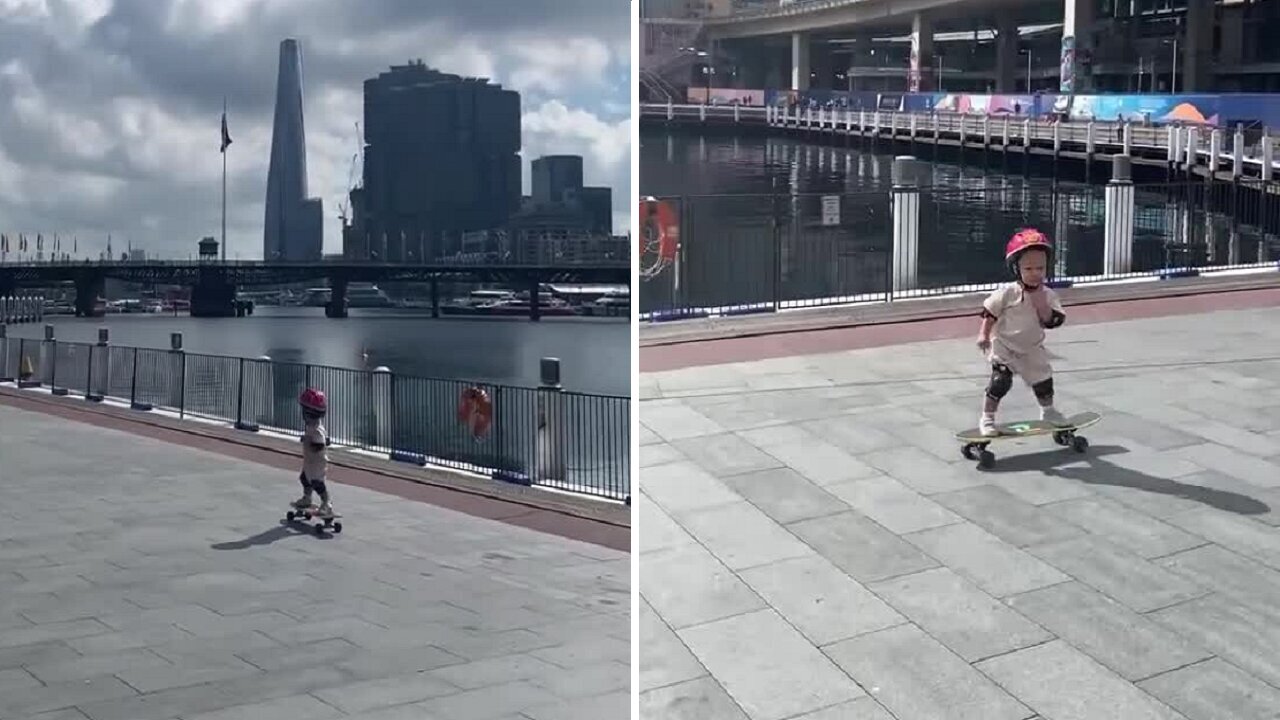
1033,367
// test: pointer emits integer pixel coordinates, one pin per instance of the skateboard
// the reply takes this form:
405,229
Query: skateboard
312,513
975,444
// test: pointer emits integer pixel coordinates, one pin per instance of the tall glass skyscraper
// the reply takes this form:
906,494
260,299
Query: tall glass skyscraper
293,227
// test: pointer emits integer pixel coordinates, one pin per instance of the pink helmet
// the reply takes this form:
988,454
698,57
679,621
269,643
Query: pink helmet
1022,241
313,400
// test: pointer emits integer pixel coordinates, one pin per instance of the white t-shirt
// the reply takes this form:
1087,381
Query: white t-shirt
1018,328
315,460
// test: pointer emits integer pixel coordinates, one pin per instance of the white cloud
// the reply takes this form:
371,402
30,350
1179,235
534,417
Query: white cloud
109,109
557,66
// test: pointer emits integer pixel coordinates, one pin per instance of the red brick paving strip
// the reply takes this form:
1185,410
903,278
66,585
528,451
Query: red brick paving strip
813,342
584,520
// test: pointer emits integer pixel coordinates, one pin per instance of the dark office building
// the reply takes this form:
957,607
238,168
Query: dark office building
597,204
441,158
553,175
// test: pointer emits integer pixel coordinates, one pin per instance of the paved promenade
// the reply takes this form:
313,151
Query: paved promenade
814,547
144,580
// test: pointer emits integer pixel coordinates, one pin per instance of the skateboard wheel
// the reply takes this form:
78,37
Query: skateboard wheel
1062,438
320,530
1079,444
986,460
967,452
290,516
337,527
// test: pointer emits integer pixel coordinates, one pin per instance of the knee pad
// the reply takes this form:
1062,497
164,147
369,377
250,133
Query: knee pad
1043,389
1001,381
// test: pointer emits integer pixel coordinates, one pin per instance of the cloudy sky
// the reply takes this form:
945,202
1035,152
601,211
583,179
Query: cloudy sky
110,109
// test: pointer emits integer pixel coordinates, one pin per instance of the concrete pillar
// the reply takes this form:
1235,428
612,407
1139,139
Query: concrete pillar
551,423
382,407
100,368
1268,156
920,72
1117,252
1077,47
799,61
906,226
1007,64
1237,152
1197,49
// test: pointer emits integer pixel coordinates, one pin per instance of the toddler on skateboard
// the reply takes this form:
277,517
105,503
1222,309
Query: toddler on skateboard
315,453
1014,318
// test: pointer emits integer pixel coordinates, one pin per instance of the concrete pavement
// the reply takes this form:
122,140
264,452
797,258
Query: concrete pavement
144,580
812,544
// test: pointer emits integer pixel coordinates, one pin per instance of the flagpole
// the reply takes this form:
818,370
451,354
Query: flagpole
224,184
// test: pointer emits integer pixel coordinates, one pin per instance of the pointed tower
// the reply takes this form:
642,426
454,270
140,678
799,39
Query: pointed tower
292,228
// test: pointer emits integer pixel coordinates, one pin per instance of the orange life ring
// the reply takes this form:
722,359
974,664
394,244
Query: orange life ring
475,411
658,222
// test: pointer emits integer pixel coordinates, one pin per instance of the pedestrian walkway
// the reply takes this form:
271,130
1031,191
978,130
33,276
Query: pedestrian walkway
814,546
144,580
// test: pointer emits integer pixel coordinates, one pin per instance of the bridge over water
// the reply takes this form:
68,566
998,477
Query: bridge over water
214,284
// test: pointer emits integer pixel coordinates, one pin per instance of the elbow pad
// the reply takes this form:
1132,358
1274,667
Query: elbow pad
1055,320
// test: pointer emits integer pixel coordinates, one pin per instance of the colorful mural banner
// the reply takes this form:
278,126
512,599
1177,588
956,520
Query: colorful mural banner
1218,110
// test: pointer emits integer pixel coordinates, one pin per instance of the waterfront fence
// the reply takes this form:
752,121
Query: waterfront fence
547,436
742,254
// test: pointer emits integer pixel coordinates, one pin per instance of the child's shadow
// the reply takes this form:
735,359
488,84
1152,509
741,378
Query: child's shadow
284,530
1101,472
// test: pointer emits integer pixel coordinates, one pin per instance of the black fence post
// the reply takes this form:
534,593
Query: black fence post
88,379
133,383
240,395
776,221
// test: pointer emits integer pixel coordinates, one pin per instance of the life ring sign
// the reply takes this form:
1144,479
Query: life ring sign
475,411
659,236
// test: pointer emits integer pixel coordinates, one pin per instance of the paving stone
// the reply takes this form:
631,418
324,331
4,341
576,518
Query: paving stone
487,703
791,678
664,660
17,702
1212,456
660,453
685,486
1125,526
785,495
701,699
660,531
741,536
297,706
1062,683
672,420
1241,534
1139,584
861,548
718,593
726,454
819,461
897,507
921,471
1006,517
864,708
957,614
914,676
1215,689
161,613
820,600
1129,644
1244,636
384,692
1228,573
992,564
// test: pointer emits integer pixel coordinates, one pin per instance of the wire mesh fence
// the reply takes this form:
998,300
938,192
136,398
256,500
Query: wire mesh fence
761,253
546,436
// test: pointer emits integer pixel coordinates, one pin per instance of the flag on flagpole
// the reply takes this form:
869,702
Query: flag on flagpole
226,136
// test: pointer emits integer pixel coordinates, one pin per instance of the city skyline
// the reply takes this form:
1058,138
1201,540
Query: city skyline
120,107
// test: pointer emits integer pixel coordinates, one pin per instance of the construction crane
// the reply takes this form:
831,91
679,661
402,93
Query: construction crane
351,174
